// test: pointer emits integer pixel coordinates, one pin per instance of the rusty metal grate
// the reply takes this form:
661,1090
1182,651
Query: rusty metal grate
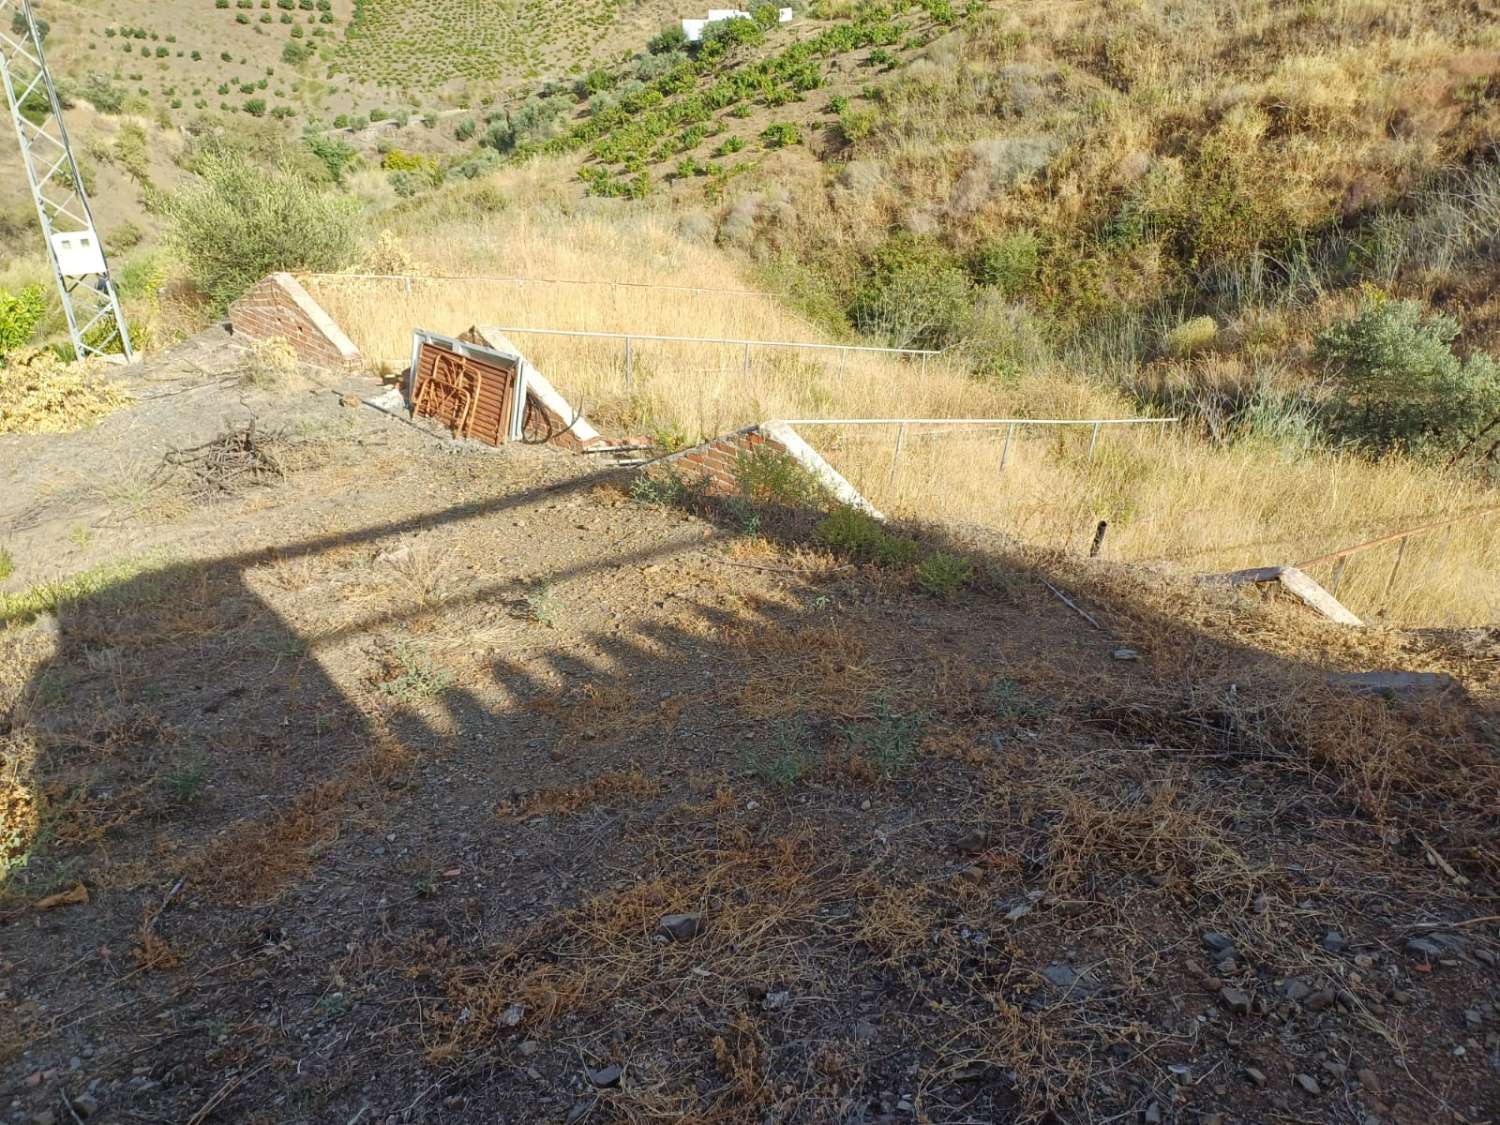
475,392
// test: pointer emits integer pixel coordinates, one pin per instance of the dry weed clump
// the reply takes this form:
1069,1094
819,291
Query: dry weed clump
819,669
40,394
1155,837
758,907
256,858
566,800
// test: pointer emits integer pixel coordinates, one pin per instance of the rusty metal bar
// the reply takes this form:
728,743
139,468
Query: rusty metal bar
1390,583
1395,535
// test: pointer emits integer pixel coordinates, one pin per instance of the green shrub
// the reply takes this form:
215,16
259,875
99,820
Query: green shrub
783,133
333,153
1191,336
670,39
240,221
20,313
891,741
7,564
466,129
859,535
765,476
102,94
1009,264
943,575
916,295
857,124
255,107
1398,383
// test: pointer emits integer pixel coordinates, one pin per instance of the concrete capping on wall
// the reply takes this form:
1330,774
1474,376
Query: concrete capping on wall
1296,583
278,307
716,461
549,416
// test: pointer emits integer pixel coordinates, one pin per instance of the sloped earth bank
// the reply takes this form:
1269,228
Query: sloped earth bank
419,783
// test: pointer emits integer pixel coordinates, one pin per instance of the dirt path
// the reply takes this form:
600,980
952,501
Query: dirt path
382,775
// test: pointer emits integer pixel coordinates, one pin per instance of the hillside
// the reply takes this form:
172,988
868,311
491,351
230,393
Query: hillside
354,773
406,781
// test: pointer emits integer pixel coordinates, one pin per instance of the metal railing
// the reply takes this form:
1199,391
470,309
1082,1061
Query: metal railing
1009,425
630,339
494,279
1340,558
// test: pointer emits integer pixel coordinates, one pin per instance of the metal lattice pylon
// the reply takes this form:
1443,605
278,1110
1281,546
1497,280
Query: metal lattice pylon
89,298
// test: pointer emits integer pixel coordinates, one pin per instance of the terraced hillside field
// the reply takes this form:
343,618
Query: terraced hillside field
420,45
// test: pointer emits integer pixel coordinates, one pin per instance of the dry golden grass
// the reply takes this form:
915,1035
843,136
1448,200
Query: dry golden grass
39,394
566,800
1167,495
257,858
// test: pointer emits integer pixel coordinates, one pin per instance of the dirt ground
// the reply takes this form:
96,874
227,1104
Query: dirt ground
375,778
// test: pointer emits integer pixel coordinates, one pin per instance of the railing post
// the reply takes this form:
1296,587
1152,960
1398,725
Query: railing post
747,361
629,365
1390,583
900,444
1094,439
1010,432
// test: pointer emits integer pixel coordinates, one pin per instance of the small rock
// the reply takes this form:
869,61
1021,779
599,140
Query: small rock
1212,1119
1333,941
1126,654
1151,1115
1487,956
1256,1076
608,1076
1220,945
865,805
681,927
529,1048
86,1105
1236,1000
46,1117
775,1001
1296,989
1473,1018
1336,1069
1319,1000
1421,947
513,1015
1401,996
973,842
1309,1085
1060,975
1369,1080
1363,961
1182,1075
349,400
579,1111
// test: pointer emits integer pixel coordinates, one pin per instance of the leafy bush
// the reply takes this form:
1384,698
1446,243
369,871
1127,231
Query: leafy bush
333,153
20,313
1399,384
859,535
916,295
670,39
942,575
1009,264
783,133
768,477
102,94
240,221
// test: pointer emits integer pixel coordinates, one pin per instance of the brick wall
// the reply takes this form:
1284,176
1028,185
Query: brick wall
278,308
716,461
